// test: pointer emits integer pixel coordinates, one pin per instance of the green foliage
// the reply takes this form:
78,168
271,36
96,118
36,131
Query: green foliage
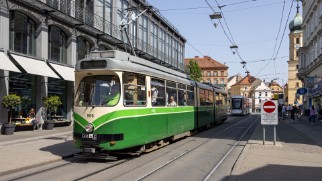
52,103
194,70
11,101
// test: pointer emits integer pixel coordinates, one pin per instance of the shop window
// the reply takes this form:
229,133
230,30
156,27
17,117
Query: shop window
83,48
22,33
58,88
24,86
134,89
57,44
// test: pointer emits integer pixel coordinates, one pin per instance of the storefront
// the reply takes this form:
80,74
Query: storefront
315,95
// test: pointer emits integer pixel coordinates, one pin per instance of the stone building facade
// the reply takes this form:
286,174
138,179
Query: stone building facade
41,40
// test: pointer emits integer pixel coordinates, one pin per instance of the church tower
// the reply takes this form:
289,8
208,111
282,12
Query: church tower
296,41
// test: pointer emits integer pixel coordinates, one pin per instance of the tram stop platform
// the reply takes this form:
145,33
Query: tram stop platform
297,154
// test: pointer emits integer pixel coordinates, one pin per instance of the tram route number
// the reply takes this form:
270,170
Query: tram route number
89,136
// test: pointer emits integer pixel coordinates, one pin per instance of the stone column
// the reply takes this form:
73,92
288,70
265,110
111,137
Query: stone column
42,51
4,44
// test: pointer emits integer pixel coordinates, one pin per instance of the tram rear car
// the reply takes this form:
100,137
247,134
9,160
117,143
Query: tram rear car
240,105
122,105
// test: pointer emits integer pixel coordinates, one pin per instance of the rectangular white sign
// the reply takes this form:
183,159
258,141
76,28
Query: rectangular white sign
269,112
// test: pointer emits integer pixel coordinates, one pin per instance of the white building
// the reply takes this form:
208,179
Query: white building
260,93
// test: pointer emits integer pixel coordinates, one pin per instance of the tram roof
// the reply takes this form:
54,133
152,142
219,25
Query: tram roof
122,61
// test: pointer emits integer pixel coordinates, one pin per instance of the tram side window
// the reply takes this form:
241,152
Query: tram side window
157,92
191,95
218,99
134,89
182,95
202,97
224,99
210,98
171,94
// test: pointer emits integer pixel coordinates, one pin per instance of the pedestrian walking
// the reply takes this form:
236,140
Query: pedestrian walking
293,112
312,115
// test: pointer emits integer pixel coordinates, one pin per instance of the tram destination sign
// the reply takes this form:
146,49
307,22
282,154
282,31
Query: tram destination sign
94,64
269,113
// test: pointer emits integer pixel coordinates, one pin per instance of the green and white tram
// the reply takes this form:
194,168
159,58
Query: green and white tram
123,102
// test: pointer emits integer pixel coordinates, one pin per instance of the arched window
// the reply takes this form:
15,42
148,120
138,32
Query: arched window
57,45
22,33
102,48
297,84
83,48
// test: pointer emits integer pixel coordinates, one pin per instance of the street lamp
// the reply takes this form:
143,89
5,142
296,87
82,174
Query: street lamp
215,15
234,48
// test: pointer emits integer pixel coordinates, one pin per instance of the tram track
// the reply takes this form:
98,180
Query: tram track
197,146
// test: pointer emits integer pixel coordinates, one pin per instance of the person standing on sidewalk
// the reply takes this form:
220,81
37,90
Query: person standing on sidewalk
312,115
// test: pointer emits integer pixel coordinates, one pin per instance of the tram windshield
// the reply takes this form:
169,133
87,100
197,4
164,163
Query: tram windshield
236,103
98,91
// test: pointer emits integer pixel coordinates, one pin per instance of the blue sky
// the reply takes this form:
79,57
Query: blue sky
253,25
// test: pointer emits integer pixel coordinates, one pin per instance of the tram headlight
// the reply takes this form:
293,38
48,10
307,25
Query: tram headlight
89,128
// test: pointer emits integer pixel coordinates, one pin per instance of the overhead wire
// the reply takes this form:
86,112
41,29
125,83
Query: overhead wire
279,29
280,41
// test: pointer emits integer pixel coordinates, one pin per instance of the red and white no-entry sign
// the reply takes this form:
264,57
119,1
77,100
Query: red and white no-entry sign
269,113
269,107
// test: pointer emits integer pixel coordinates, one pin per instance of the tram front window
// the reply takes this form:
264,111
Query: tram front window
236,104
98,91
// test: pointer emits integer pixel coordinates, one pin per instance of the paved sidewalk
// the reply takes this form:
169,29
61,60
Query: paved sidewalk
297,154
27,149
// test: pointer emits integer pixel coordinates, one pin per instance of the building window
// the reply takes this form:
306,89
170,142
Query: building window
266,94
84,11
121,6
22,33
297,41
297,84
208,74
222,81
222,73
143,32
104,10
260,94
154,38
102,48
215,73
260,100
83,48
57,46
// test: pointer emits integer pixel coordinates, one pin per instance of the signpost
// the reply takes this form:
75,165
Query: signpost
301,91
269,116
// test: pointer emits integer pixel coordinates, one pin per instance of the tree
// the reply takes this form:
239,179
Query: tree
52,103
11,101
194,70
